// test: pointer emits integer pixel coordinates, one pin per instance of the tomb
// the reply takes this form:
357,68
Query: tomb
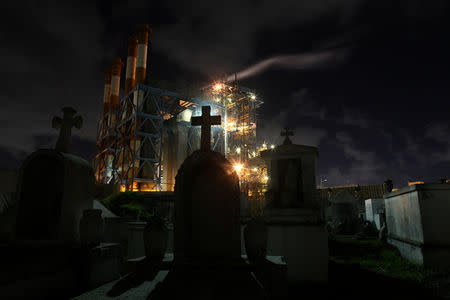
54,190
343,209
374,208
418,224
295,225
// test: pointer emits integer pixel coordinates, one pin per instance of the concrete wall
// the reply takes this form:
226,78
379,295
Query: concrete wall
418,222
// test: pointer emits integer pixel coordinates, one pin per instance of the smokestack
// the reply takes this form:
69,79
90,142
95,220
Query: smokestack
141,63
107,91
131,64
116,68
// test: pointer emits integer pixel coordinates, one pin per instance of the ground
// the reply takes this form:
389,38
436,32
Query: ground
358,269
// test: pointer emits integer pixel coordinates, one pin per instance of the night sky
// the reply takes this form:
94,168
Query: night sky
368,82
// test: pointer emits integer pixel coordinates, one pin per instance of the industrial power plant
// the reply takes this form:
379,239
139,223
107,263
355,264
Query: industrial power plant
144,135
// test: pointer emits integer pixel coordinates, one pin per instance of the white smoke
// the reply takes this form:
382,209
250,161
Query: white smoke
304,61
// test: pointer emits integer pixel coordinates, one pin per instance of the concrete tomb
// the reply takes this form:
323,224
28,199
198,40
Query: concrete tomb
53,190
344,209
295,225
418,223
374,209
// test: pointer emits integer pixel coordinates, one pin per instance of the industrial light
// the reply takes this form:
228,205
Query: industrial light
218,86
272,146
238,150
252,96
264,145
238,167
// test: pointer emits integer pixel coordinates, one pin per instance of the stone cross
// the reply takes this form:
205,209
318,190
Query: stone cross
65,125
205,120
287,133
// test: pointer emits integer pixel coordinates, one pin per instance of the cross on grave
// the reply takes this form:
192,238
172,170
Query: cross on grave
205,120
65,125
287,133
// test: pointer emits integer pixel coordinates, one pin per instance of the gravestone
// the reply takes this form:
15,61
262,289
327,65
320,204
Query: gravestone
54,188
207,188
293,217
207,242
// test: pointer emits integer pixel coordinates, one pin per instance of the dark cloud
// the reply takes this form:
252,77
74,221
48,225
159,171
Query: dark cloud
382,111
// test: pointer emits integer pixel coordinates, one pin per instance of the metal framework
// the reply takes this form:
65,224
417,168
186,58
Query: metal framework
132,137
106,143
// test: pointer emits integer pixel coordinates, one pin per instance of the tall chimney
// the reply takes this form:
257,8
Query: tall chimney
116,68
131,64
107,91
141,64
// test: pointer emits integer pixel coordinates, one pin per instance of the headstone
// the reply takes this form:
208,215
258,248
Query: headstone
53,190
295,226
418,223
207,208
207,241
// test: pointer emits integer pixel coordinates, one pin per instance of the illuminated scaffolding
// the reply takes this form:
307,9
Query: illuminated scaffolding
106,145
241,105
136,134
139,143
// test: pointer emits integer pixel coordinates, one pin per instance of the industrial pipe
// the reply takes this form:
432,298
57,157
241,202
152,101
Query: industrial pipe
130,75
143,32
107,91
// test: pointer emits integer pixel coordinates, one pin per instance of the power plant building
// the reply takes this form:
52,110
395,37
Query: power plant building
143,139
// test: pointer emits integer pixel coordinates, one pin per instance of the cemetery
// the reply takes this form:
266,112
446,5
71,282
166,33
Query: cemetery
181,204
195,242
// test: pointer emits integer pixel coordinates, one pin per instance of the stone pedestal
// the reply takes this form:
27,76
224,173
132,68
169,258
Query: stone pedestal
136,239
102,264
418,223
302,240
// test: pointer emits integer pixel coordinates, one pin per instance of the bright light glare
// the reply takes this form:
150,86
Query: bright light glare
238,167
238,150
264,145
253,96
266,178
272,146
218,86
255,169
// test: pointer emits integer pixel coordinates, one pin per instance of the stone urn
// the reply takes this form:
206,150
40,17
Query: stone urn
156,236
91,227
255,239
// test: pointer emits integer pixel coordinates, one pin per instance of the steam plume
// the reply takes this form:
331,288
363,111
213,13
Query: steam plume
302,61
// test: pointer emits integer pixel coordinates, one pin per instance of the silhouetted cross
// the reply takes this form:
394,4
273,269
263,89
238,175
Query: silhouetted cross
65,125
287,133
205,120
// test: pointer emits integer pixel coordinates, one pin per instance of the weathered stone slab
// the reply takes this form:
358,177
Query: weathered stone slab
418,223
